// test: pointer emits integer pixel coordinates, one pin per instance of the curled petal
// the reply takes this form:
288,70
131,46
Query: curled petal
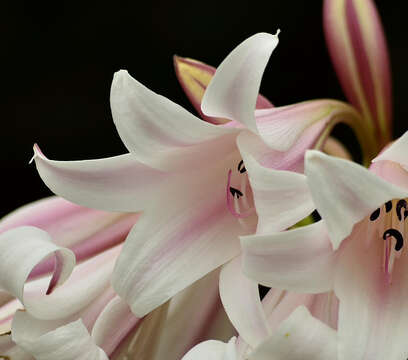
240,297
21,250
334,147
233,91
194,77
300,260
345,192
160,133
359,53
45,340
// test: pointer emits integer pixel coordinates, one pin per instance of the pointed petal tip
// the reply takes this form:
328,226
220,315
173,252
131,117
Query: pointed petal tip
120,76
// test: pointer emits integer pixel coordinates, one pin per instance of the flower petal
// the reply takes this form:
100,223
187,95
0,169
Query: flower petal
300,337
21,249
195,314
345,192
282,198
396,152
85,231
45,342
119,183
87,283
358,49
300,260
197,232
233,91
240,297
194,77
160,133
371,299
114,323
392,172
214,350
334,147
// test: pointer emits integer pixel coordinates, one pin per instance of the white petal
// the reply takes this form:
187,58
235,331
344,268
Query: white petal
300,337
373,314
233,91
159,132
213,350
113,325
119,183
87,283
300,260
240,297
195,314
21,250
282,198
191,229
396,152
45,342
345,192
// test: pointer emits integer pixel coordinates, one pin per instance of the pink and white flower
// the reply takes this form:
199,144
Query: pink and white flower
357,250
187,175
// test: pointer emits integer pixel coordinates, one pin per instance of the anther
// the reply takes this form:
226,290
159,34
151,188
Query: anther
396,235
401,204
241,167
375,215
388,206
234,192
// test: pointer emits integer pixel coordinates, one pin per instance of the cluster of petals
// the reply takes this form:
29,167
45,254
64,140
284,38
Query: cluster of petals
144,255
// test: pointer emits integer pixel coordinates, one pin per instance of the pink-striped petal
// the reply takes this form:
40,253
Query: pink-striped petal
233,91
118,183
370,300
194,77
345,192
300,260
160,133
47,340
240,297
358,49
191,228
85,231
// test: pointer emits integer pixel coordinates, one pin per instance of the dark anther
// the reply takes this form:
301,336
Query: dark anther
401,204
388,206
241,167
397,236
236,192
405,214
375,215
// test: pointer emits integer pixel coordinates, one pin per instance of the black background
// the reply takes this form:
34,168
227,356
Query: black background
64,55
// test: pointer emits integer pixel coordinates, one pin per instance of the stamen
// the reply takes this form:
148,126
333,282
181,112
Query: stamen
375,215
230,200
397,236
401,204
241,167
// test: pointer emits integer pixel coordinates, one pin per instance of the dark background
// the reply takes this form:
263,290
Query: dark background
64,54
